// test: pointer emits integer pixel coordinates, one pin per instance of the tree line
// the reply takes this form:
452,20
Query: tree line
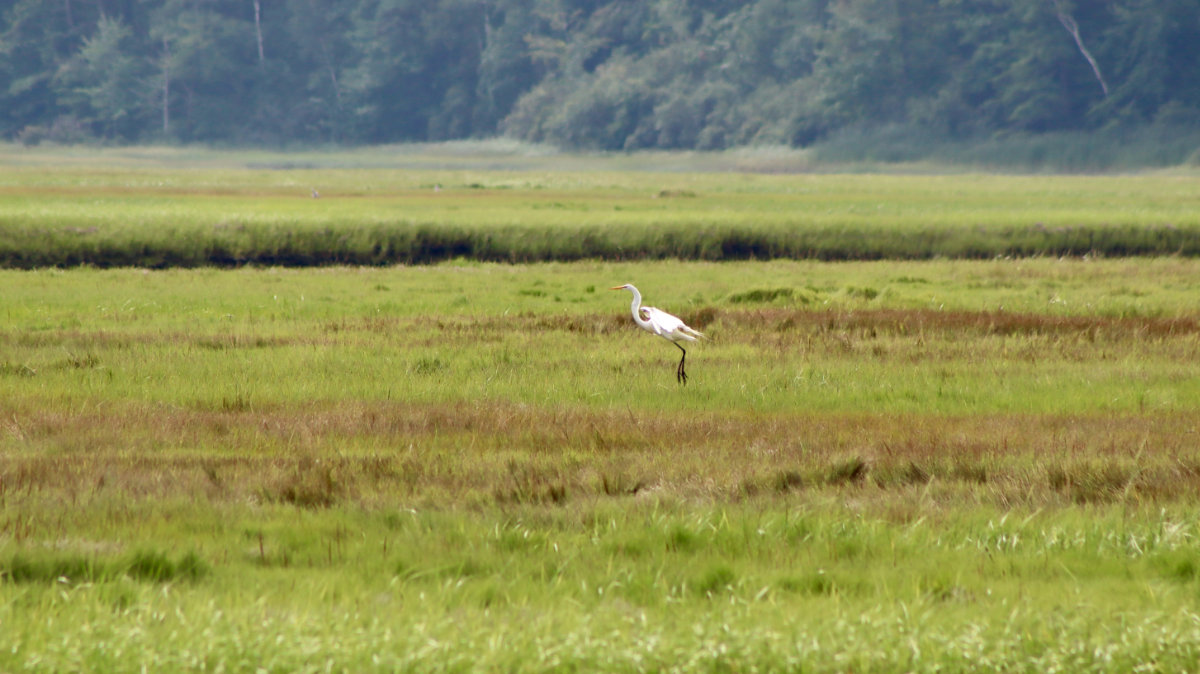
590,74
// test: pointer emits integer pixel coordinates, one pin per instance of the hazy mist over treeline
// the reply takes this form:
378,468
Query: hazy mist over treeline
593,75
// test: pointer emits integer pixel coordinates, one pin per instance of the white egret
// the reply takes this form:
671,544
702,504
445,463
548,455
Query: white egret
664,325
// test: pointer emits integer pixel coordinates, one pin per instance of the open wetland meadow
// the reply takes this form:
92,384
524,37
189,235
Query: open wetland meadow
218,454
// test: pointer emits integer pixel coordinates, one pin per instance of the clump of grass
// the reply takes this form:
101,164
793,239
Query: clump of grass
852,470
238,401
16,369
913,473
779,482
428,365
73,568
158,567
529,484
312,483
701,318
53,568
969,472
81,361
467,567
816,583
866,293
1094,482
620,484
717,580
682,539
788,480
1178,565
762,295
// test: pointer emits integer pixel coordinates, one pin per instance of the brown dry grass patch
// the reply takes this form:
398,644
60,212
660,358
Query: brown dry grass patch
454,455
916,321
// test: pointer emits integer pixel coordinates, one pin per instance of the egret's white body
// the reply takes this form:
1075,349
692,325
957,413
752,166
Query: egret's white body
667,326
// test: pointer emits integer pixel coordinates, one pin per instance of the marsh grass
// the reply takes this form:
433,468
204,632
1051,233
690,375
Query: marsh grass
912,465
649,585
142,213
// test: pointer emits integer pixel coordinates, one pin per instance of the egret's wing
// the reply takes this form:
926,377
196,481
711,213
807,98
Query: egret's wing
668,325
661,322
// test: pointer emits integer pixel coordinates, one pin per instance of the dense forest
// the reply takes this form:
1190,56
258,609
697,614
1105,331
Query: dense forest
590,74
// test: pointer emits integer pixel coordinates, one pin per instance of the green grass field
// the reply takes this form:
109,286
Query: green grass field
904,465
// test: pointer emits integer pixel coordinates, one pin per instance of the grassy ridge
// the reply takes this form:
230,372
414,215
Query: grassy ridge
296,246
141,213
903,465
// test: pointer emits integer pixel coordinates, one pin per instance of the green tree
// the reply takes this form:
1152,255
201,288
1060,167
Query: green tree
1151,46
605,74
106,80
321,52
1045,85
506,66
416,73
214,67
35,38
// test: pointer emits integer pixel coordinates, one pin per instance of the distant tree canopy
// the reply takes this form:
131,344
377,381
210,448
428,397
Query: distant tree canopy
589,74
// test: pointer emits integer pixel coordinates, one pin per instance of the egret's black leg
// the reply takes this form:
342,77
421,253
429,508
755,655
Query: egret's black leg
680,374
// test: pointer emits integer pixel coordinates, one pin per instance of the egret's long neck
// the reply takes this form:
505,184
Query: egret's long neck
635,308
